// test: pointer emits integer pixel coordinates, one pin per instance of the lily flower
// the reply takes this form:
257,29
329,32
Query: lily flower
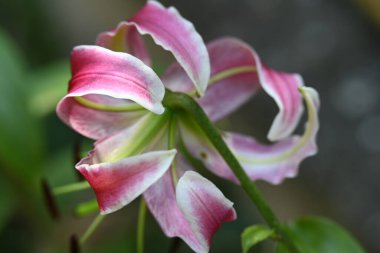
114,97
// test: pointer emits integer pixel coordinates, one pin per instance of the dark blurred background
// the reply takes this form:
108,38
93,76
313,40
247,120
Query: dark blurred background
334,44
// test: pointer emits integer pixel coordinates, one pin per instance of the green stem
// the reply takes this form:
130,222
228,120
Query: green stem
141,226
90,230
180,101
71,188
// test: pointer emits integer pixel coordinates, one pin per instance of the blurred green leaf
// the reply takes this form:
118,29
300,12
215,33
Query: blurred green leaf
21,146
7,201
320,235
48,86
253,235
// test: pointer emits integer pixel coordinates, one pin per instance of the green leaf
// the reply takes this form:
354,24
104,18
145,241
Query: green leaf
320,235
253,235
49,85
7,200
21,146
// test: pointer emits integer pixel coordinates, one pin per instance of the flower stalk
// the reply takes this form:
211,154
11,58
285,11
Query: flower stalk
183,102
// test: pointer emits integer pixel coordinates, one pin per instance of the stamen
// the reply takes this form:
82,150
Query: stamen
71,188
301,142
86,208
74,245
109,108
49,200
90,230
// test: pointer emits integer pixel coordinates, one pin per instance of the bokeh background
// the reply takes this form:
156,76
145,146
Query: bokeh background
334,44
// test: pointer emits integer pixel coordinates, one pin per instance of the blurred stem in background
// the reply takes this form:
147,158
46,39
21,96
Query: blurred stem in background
32,41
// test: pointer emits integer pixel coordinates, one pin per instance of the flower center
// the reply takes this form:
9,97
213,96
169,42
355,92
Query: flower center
144,136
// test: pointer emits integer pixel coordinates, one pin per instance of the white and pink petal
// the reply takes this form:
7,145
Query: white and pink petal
96,124
237,79
283,88
163,200
177,35
234,79
162,203
204,206
118,183
113,82
237,73
272,163
124,38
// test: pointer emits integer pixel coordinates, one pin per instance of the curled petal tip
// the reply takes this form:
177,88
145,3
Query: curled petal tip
282,159
118,183
284,89
272,163
204,206
177,35
124,38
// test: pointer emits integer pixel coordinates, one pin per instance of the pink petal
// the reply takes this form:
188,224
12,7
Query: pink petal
283,88
177,35
117,184
109,78
204,206
124,38
162,203
96,124
225,95
176,79
271,163
199,146
281,160
235,90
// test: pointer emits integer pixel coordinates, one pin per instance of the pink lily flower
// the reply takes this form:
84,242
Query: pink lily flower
115,98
